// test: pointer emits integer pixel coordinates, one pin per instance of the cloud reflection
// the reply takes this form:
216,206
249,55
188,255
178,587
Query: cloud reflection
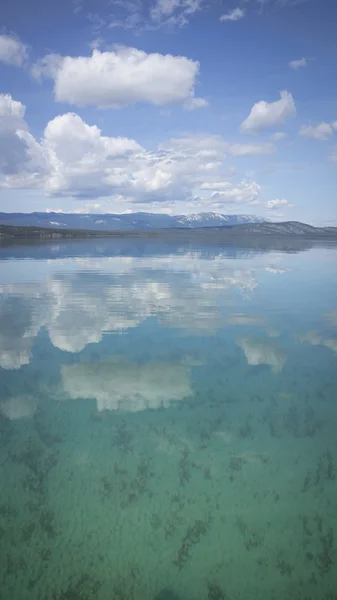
77,301
127,386
331,318
315,338
19,407
262,351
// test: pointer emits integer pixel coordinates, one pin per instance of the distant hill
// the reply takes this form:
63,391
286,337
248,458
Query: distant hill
128,222
288,228
224,234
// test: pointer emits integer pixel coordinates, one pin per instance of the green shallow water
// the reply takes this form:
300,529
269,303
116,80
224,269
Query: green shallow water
168,423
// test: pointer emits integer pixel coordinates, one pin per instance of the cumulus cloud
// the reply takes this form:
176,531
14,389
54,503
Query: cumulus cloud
82,162
48,66
179,166
85,163
321,131
12,113
234,15
74,159
262,351
122,77
264,115
12,151
299,63
242,193
12,51
127,386
21,157
273,204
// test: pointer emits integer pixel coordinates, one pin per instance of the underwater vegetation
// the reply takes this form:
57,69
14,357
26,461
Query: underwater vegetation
192,536
229,495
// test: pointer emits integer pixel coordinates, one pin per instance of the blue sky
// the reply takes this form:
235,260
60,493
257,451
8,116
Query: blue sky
175,106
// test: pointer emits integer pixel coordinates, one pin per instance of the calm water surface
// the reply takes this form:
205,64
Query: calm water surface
167,423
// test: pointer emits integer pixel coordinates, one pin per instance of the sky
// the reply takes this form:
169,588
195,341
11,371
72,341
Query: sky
171,106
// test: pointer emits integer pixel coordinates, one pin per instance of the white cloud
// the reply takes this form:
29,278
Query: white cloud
75,160
174,12
278,136
20,155
264,115
252,149
215,185
234,15
273,204
11,109
48,66
164,9
193,103
153,14
210,147
242,193
298,63
275,271
122,77
321,131
280,3
82,161
12,51
136,14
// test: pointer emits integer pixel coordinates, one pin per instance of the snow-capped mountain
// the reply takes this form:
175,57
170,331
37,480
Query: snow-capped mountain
124,222
212,219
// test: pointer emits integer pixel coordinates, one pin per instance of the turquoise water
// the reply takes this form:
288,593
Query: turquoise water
168,422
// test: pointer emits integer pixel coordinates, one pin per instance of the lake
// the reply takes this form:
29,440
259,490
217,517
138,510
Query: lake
168,421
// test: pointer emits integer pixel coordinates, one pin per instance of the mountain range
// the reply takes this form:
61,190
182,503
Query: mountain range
124,222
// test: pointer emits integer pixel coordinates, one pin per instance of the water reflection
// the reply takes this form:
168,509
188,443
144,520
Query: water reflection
19,407
167,422
126,386
78,302
261,351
